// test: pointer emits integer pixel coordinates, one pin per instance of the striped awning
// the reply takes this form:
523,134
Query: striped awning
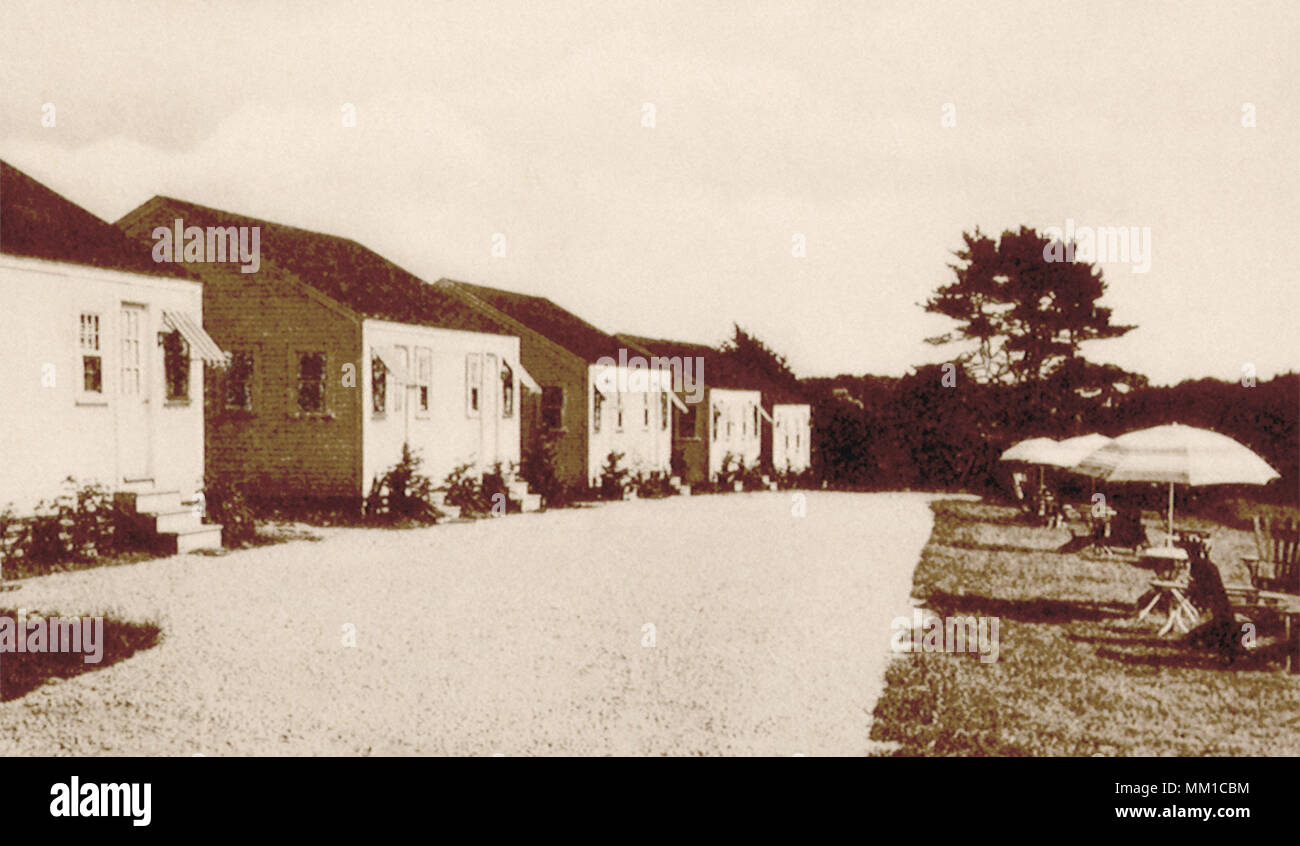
201,344
525,378
391,358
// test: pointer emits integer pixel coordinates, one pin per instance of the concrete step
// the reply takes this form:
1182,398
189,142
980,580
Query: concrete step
449,512
530,502
151,502
206,536
518,490
181,520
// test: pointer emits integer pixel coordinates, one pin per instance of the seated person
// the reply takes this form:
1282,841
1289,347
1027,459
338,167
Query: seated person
1222,633
1126,527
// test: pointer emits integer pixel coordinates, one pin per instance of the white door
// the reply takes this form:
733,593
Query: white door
133,420
490,414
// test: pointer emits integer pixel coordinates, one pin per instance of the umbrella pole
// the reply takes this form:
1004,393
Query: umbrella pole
1170,541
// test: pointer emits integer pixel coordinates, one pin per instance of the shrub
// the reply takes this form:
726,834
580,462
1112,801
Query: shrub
677,464
404,493
82,523
13,529
752,478
613,477
653,485
465,490
226,503
540,467
732,471
496,493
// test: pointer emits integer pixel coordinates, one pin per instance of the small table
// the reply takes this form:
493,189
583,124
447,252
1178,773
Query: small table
1182,613
1166,561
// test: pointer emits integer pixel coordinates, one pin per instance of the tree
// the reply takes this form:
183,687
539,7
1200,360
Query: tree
1026,315
752,354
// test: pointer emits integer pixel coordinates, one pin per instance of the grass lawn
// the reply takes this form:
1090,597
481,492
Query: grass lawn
1076,673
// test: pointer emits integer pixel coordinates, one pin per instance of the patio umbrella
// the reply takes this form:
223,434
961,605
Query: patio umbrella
1073,450
1040,451
1179,455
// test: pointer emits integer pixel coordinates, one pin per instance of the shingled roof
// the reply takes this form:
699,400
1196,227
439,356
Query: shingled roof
720,371
547,319
37,222
340,268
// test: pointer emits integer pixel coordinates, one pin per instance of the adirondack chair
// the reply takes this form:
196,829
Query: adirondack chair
1274,566
1223,632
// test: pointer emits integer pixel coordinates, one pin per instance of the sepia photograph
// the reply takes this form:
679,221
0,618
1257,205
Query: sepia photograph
880,379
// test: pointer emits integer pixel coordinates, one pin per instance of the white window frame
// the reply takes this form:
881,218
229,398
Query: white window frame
84,351
397,387
423,381
473,384
252,352
379,370
509,390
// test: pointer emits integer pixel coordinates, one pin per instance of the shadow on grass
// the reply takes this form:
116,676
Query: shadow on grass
1033,610
998,547
23,672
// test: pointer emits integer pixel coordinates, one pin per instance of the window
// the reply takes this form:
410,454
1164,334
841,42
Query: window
239,381
645,411
618,410
423,377
403,365
552,407
717,420
754,414
731,422
686,423
473,383
597,410
176,367
663,410
378,384
507,390
92,361
311,382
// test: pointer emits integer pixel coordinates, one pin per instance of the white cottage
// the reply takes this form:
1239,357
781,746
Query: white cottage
103,361
339,358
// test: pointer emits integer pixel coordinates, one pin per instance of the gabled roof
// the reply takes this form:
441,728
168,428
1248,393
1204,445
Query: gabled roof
547,319
340,268
720,371
36,222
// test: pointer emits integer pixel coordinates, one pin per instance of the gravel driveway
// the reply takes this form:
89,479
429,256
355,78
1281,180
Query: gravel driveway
518,636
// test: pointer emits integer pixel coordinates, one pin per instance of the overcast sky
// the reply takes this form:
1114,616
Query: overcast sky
820,119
